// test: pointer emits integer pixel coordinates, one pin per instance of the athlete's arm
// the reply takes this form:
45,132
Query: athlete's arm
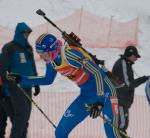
41,80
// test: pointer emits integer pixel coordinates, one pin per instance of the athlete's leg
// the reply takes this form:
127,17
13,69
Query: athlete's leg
110,111
73,116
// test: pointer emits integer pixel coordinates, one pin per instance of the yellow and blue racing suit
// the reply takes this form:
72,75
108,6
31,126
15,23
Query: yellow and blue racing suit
77,65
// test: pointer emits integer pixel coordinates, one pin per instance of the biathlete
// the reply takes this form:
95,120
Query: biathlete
96,89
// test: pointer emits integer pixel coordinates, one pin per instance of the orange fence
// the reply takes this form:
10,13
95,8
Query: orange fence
55,103
94,31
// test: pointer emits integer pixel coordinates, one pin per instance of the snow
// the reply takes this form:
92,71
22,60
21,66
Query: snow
14,11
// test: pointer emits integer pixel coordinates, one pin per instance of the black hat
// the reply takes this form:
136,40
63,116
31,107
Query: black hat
131,50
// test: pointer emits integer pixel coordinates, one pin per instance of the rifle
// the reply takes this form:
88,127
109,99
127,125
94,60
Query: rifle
73,39
70,38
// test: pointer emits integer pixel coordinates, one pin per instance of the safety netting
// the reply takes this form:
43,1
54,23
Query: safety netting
94,31
54,105
6,35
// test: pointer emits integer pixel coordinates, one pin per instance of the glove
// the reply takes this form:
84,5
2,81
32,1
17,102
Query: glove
95,109
37,90
13,77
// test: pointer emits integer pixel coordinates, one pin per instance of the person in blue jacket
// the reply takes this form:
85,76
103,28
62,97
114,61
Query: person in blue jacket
97,92
18,58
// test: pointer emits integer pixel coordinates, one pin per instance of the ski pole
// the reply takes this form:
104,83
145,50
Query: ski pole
30,99
88,107
109,122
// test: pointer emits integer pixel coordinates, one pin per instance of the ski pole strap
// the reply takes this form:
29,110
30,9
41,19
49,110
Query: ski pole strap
30,99
109,122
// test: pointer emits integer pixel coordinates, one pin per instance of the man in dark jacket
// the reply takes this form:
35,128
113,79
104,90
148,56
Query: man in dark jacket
124,71
6,108
3,115
3,120
18,55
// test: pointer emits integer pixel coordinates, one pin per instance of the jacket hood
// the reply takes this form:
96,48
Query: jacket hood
19,37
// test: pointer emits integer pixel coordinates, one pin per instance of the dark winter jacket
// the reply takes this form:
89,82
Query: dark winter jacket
123,70
1,92
4,92
18,54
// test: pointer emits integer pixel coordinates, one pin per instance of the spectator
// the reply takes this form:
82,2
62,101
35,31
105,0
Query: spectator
3,119
3,115
18,58
124,71
6,108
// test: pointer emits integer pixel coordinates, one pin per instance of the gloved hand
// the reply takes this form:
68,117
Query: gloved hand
37,90
13,77
95,109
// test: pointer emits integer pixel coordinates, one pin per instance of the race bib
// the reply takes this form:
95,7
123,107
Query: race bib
114,103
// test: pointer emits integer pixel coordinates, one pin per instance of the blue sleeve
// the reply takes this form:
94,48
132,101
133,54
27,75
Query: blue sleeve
79,60
41,80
